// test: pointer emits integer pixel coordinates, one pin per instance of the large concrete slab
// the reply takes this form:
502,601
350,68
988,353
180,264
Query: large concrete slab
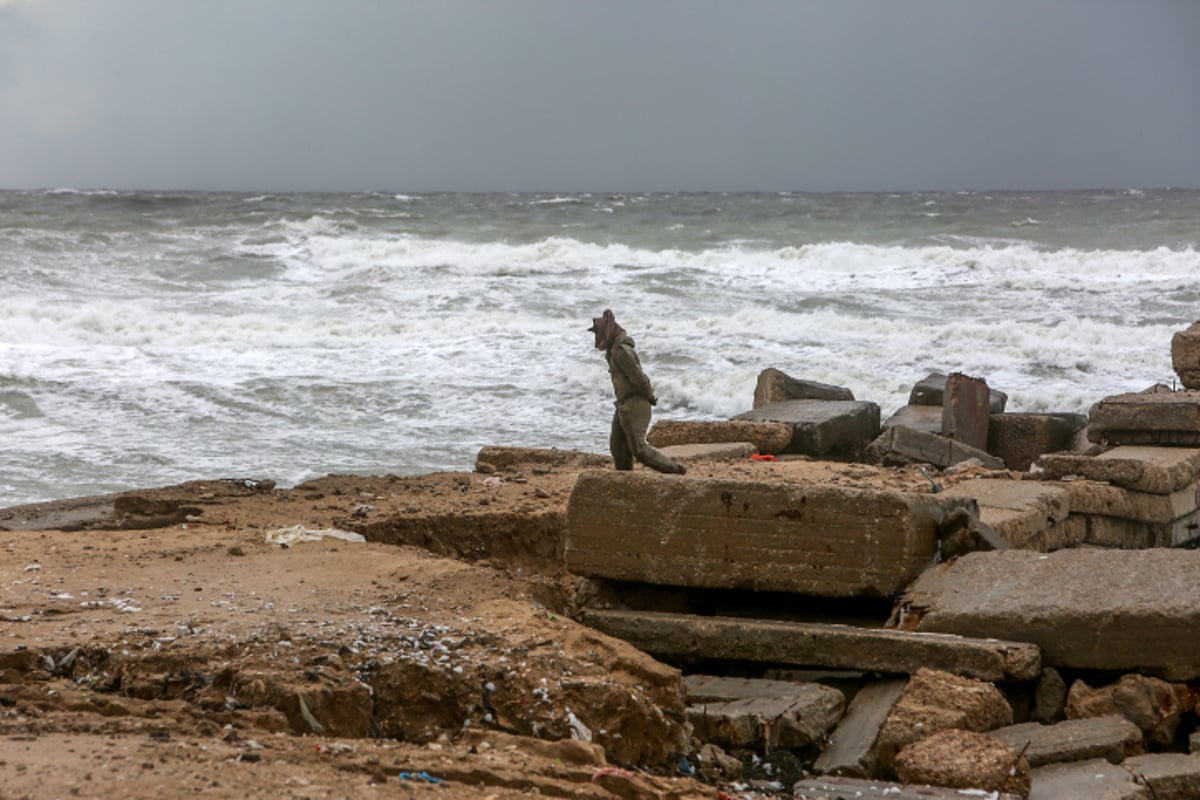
823,428
768,437
1111,737
1157,416
1086,780
1126,610
882,650
1020,512
851,748
712,533
1159,470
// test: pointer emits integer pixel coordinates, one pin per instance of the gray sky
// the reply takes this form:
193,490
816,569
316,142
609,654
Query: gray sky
619,95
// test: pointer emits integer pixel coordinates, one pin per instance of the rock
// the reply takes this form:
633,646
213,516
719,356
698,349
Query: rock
823,428
964,760
1049,697
1111,737
768,437
934,701
774,386
1155,706
1125,610
1185,356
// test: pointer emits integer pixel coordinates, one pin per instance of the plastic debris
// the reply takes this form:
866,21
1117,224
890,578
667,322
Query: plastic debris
299,533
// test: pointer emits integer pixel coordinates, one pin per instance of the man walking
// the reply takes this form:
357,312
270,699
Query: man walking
635,396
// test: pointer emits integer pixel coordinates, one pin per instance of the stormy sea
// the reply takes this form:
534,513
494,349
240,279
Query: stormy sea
153,338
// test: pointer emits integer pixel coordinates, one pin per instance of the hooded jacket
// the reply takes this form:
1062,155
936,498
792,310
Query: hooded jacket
626,370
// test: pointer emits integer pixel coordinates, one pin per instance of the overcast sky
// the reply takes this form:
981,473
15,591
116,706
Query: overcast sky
611,95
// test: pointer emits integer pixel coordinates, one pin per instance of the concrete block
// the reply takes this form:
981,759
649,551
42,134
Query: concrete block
1185,356
736,713
1102,499
851,748
965,410
1111,737
817,540
1020,439
931,391
1121,610
1085,780
823,428
899,445
1019,512
774,386
1157,416
927,419
672,636
1159,470
493,458
719,451
831,787
768,437
1170,776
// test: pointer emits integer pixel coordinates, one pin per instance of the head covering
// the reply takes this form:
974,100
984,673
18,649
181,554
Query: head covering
606,329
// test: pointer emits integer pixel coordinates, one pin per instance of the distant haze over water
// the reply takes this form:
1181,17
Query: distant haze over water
150,338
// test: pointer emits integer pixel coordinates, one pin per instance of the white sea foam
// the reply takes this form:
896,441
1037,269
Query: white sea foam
290,344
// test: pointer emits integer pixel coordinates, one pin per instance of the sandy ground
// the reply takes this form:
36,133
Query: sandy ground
215,653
